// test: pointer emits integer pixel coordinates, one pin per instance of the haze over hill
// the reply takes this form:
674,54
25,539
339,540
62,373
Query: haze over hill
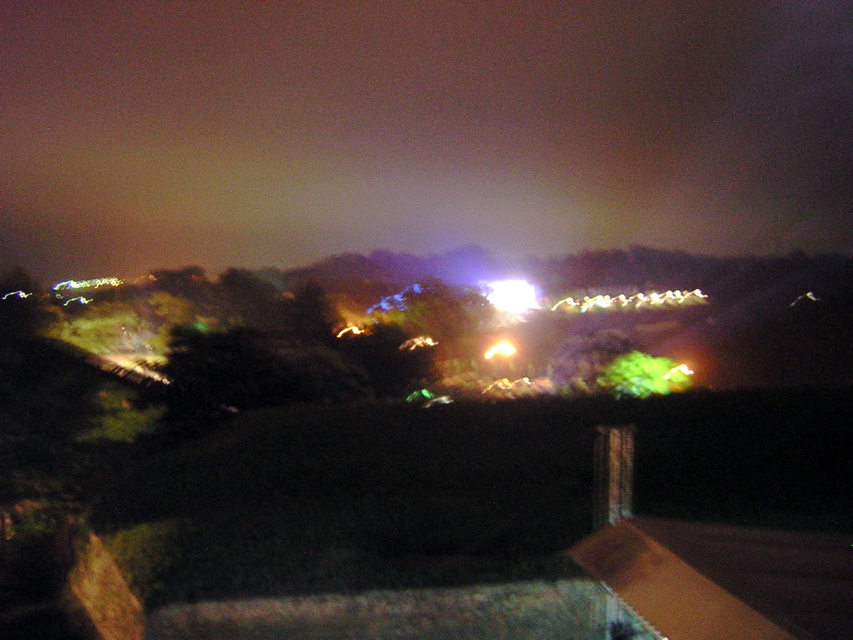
767,321
249,134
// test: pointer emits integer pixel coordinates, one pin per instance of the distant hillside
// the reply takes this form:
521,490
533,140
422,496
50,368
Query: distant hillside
766,320
464,266
639,267
771,320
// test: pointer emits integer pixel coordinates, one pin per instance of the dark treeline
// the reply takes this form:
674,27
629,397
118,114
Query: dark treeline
639,267
770,321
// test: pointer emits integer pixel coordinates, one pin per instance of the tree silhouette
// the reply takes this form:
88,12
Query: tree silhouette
213,373
579,361
392,372
311,317
249,301
216,371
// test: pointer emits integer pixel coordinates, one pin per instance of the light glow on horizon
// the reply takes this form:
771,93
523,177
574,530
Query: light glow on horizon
503,348
505,384
356,331
397,301
18,294
683,368
809,295
417,343
79,299
633,302
88,284
512,296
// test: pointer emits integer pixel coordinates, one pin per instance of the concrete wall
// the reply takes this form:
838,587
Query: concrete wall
560,610
576,609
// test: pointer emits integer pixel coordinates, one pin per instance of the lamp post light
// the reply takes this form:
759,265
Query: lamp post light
504,349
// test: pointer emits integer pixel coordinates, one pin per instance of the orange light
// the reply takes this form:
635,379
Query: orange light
501,348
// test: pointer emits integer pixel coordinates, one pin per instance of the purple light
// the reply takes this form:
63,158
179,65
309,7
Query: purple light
512,296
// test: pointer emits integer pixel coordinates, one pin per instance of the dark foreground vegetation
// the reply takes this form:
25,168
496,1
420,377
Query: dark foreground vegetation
348,498
283,459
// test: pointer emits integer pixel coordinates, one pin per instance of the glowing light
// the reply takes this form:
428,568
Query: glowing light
638,300
512,296
641,375
420,394
17,294
417,343
397,301
79,299
683,368
505,384
437,400
501,348
806,296
428,398
88,284
356,331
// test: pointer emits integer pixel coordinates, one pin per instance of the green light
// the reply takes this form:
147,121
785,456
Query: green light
420,394
640,375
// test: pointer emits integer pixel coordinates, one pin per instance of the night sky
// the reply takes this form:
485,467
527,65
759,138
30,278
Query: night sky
136,135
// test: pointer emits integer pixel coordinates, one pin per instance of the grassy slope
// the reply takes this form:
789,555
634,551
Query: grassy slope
300,500
347,498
